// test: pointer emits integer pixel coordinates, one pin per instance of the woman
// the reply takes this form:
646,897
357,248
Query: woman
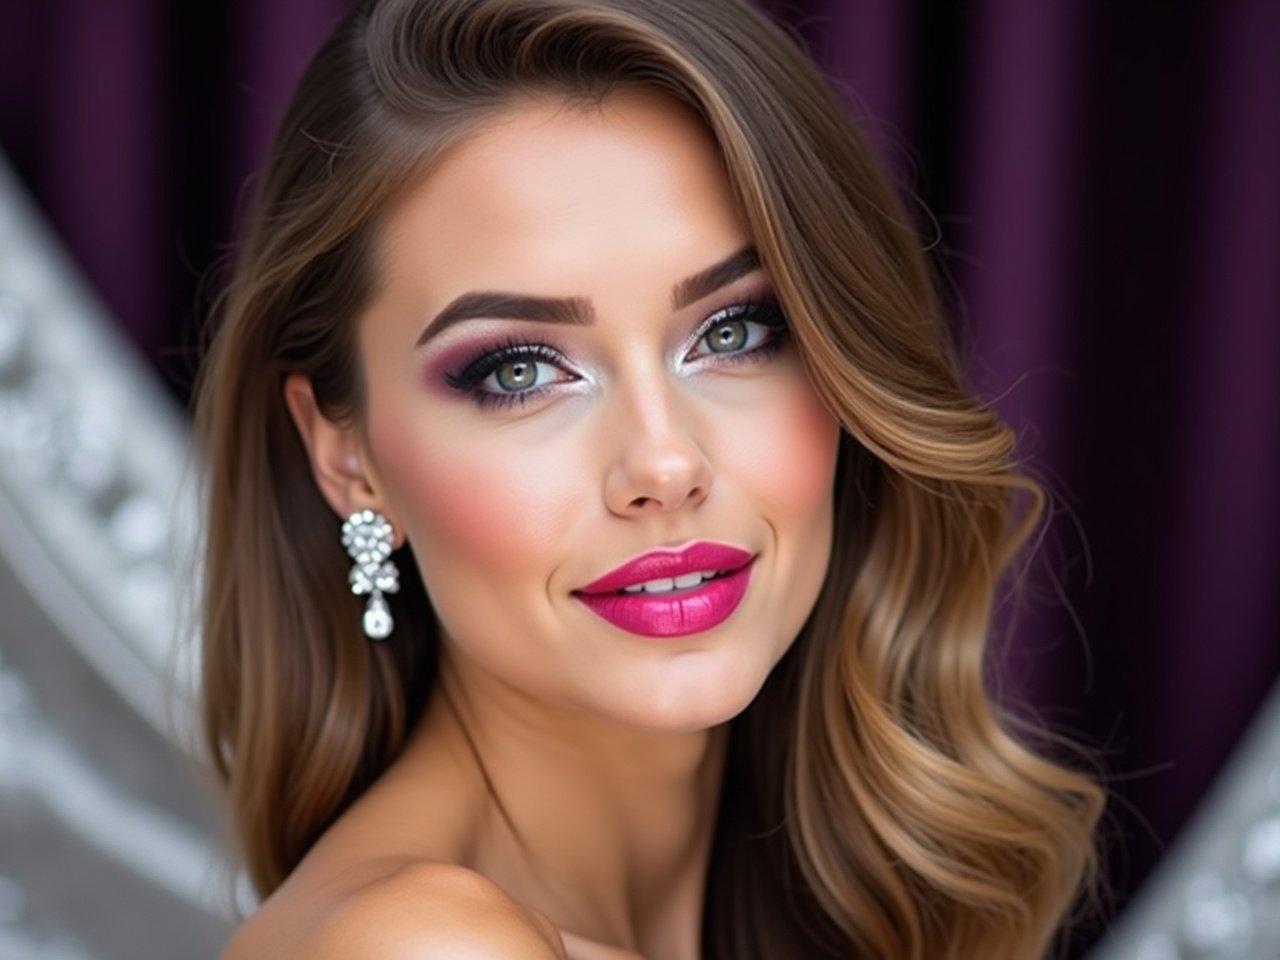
601,545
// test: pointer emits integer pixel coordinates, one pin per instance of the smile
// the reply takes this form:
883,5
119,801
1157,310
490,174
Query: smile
673,606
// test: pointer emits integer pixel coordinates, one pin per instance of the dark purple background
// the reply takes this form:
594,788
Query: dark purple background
1104,179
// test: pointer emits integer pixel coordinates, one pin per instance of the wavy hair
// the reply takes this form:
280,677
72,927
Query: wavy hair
878,801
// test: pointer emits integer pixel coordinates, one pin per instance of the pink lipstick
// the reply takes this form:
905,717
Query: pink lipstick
672,609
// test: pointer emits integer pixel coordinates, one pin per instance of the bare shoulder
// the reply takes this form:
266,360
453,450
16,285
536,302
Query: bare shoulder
420,912
435,910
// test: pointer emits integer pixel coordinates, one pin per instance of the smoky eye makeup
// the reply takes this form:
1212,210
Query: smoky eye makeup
510,371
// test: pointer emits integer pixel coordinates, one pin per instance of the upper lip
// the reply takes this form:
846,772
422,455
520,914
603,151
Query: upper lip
657,564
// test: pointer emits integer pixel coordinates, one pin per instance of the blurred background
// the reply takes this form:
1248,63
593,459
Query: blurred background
1096,184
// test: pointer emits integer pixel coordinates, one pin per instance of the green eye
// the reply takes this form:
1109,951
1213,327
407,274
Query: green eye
729,333
727,336
526,372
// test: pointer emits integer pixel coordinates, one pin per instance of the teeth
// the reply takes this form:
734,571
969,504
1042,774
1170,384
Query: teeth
667,584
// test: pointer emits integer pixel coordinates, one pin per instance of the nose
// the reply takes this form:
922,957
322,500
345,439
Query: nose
658,464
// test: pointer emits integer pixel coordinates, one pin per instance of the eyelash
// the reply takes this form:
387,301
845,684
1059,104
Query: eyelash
474,370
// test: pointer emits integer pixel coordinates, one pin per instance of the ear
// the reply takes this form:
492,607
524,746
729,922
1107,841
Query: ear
339,464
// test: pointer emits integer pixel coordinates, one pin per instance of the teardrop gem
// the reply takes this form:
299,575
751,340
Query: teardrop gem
377,617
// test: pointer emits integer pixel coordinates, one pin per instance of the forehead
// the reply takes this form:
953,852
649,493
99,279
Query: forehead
544,188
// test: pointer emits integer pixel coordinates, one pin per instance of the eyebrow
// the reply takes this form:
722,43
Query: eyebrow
578,310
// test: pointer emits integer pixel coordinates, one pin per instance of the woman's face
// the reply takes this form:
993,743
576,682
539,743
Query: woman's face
641,428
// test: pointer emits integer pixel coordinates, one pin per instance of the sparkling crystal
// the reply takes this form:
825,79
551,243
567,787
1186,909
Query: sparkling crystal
366,538
359,580
90,450
377,617
139,526
387,579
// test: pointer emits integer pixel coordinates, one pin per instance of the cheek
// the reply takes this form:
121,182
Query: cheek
788,458
789,472
475,513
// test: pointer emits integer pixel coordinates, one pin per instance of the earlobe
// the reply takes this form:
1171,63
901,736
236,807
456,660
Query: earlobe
334,454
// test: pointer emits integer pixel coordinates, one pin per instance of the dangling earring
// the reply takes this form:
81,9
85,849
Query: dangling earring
367,536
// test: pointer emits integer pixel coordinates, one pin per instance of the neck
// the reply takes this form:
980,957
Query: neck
605,828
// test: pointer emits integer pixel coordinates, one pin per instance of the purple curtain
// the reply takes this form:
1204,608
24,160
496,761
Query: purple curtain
1103,206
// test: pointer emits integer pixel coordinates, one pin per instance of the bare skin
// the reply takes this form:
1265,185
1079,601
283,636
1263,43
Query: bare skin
401,824
572,767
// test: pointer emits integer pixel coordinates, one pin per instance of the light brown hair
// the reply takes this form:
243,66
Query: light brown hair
877,801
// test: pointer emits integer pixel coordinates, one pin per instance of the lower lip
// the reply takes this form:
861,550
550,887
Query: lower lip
656,615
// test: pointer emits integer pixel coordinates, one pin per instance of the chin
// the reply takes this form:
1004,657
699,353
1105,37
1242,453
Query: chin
695,702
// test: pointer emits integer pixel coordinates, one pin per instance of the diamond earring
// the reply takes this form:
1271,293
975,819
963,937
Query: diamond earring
367,536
